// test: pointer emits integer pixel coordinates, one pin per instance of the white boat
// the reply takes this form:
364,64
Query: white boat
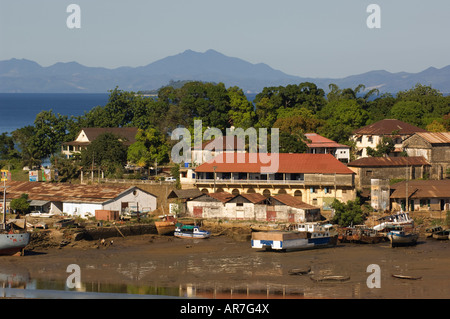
304,236
13,237
400,219
402,238
190,231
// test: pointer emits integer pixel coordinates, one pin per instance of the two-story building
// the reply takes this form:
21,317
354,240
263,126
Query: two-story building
316,179
85,137
318,144
371,135
434,147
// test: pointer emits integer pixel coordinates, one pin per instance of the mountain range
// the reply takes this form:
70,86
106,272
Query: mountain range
25,76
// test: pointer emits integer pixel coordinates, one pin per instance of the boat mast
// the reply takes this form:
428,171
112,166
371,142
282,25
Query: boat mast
4,202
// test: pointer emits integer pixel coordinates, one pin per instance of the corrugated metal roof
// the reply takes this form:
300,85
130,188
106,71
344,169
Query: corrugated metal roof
320,141
292,201
389,161
287,163
185,193
422,189
436,137
60,192
387,126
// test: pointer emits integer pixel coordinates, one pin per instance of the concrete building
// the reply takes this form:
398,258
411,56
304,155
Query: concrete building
371,135
279,208
369,168
422,195
322,145
434,147
82,200
316,179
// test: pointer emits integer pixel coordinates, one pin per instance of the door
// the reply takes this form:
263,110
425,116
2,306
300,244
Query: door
198,211
271,216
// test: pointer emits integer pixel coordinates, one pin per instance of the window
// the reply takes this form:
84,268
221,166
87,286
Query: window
239,204
369,173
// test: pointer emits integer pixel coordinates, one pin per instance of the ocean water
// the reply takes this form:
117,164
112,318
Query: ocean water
20,109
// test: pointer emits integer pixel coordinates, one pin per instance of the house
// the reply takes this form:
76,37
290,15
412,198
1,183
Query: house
179,197
85,137
434,147
279,208
371,135
316,179
322,145
423,195
369,168
82,200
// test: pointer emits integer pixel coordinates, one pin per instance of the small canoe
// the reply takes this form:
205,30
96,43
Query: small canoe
406,277
330,278
299,271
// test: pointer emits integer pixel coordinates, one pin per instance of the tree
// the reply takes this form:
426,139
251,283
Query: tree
7,149
386,146
49,132
241,114
150,147
67,168
408,111
20,204
346,214
29,152
106,152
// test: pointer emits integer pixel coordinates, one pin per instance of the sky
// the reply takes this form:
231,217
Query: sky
320,38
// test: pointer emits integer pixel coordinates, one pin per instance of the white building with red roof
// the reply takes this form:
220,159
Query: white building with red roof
318,144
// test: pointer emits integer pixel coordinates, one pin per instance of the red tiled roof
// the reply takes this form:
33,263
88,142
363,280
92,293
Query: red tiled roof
389,161
287,163
320,141
387,126
222,196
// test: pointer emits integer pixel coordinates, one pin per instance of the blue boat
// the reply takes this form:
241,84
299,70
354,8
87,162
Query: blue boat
190,231
402,238
305,236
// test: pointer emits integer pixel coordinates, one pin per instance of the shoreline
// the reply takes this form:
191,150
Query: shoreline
219,265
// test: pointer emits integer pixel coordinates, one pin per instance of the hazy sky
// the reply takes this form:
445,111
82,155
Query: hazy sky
316,38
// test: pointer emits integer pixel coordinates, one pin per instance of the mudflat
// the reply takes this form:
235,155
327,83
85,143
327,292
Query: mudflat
220,267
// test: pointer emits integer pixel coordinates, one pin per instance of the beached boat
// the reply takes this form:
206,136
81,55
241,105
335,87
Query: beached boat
359,235
402,238
13,237
190,231
306,236
167,225
432,230
400,219
442,235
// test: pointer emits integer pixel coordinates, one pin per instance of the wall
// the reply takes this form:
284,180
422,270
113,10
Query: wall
145,202
83,210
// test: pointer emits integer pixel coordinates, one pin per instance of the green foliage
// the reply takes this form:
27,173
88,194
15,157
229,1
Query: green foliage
106,152
383,148
346,214
20,204
150,147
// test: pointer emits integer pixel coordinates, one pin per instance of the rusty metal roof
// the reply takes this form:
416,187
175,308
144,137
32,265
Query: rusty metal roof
387,126
292,201
422,189
389,161
61,192
436,137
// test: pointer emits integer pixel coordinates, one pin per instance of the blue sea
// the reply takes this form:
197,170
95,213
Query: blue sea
20,109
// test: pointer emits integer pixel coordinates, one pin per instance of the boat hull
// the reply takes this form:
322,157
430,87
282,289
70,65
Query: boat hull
288,243
11,244
165,228
402,239
191,235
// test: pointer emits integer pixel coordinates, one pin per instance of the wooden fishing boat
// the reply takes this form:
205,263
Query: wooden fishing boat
442,235
432,230
167,225
402,238
332,278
